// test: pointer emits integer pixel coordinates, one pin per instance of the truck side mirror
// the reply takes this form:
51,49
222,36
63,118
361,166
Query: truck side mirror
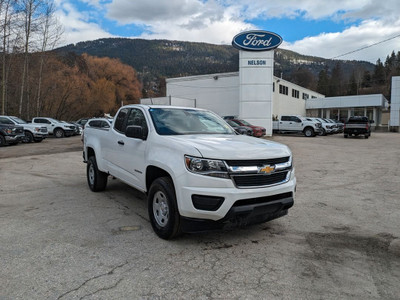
136,132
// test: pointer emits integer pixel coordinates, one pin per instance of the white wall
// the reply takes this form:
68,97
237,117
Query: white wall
395,102
377,100
216,92
256,72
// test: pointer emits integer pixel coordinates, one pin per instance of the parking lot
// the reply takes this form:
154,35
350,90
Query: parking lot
341,240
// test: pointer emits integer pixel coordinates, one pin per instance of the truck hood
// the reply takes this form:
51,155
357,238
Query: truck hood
231,147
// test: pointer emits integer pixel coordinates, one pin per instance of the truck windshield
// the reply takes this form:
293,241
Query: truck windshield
18,120
177,121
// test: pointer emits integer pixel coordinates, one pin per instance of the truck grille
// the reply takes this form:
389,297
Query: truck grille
257,162
257,180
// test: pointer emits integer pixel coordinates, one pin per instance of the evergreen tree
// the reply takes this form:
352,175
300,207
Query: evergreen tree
353,89
323,82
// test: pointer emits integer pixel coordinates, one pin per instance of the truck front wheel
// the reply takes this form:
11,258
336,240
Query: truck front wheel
59,133
96,179
309,132
162,208
28,137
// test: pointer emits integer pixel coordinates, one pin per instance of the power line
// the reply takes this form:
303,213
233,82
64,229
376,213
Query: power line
369,46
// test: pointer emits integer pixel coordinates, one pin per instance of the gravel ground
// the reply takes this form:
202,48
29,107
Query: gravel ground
341,240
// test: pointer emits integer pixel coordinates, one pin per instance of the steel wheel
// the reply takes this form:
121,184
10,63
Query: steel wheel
160,209
163,209
91,174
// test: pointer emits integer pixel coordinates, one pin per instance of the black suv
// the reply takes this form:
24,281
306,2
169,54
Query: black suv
357,126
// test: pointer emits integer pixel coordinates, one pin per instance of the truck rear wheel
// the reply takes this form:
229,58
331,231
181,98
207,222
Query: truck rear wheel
96,179
163,209
2,141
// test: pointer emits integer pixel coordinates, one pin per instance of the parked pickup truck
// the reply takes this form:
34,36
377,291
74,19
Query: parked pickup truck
10,134
33,133
197,173
357,126
55,127
293,124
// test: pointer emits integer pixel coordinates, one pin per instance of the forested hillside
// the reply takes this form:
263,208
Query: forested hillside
155,60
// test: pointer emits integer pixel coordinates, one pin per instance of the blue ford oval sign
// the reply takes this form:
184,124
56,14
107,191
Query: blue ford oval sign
256,40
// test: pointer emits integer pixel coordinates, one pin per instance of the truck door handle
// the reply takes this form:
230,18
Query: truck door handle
121,142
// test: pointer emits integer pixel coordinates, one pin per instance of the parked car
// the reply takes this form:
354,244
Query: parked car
11,134
240,129
55,127
82,122
258,131
339,124
327,127
357,126
32,132
297,124
77,128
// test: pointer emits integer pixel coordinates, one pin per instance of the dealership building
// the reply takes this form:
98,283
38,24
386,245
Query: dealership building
257,96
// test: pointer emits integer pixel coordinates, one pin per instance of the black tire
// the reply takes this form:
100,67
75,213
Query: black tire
366,136
59,133
162,208
97,180
346,136
323,132
28,137
308,132
2,141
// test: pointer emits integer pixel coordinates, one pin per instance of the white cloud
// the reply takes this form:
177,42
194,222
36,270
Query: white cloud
217,21
77,25
330,45
129,12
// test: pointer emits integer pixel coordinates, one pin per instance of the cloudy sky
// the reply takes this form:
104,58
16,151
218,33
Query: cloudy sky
313,27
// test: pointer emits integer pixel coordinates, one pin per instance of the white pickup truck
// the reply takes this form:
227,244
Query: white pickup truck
297,124
33,133
198,174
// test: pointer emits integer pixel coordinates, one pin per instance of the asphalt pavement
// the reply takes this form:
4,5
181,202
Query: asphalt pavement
341,240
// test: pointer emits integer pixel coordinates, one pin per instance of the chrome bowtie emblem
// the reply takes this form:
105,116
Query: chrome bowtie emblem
268,169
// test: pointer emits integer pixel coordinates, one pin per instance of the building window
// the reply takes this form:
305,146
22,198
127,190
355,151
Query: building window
313,97
273,87
295,94
283,89
306,96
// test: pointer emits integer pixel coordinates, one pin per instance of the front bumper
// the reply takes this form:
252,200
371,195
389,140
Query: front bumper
242,215
209,187
14,138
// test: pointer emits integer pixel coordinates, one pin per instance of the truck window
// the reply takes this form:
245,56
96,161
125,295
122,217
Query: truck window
5,121
285,118
120,120
136,118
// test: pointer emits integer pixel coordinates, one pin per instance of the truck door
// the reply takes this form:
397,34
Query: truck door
284,123
127,155
296,123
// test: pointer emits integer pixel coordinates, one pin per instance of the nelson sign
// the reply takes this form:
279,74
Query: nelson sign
256,40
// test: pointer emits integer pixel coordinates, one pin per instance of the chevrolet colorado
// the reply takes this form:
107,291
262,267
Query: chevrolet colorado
198,174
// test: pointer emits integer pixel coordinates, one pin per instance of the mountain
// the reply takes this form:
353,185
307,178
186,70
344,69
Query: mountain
155,59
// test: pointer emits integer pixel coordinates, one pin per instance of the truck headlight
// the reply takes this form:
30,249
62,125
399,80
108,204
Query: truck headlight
208,167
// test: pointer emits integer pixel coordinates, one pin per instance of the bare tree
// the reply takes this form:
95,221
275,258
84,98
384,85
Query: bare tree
51,33
6,12
29,9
